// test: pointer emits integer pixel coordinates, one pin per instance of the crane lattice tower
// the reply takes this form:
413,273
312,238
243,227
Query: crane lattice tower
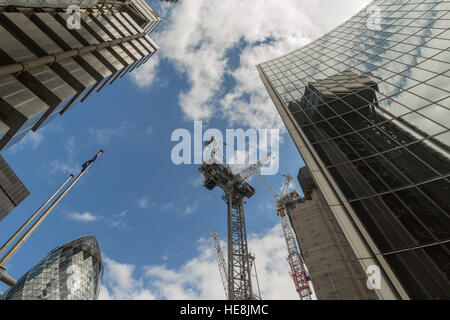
235,190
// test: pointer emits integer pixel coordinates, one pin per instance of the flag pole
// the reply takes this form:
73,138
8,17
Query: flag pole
33,228
14,236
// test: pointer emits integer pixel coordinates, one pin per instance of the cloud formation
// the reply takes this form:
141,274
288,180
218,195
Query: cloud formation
143,202
32,139
199,277
216,44
84,217
70,165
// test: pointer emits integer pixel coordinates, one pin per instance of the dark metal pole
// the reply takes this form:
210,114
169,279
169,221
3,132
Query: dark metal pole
14,236
245,255
231,292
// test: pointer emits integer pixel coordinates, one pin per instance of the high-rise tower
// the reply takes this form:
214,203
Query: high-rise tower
367,106
54,54
70,272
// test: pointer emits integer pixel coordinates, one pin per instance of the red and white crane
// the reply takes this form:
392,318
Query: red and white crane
298,272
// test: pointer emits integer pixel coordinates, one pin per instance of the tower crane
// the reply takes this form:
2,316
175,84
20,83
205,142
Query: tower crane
218,174
298,273
223,266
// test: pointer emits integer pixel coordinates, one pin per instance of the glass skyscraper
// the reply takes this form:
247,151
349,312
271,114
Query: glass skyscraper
54,54
70,272
367,106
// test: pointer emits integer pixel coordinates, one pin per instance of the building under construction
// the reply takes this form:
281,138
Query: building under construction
335,272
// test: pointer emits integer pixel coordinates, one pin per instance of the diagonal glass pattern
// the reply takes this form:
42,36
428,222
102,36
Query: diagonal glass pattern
374,106
70,272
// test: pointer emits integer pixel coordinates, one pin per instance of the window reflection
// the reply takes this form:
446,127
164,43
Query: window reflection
376,109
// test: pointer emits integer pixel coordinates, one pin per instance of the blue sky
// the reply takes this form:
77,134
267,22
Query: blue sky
153,218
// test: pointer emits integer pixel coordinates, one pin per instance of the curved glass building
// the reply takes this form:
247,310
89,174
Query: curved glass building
70,272
368,107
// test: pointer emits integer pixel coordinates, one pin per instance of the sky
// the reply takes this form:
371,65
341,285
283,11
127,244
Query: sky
152,217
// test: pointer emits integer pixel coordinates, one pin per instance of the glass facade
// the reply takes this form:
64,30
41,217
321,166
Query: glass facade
70,272
373,105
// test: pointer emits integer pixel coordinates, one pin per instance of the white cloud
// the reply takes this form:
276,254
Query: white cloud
143,202
199,277
32,138
197,181
169,206
102,136
119,284
83,217
146,75
69,165
123,213
190,209
149,130
197,39
118,220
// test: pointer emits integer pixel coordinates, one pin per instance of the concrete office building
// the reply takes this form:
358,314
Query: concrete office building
368,109
333,267
71,272
12,190
51,58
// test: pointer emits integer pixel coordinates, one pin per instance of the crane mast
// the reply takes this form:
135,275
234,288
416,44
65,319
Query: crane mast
223,266
239,280
298,273
218,174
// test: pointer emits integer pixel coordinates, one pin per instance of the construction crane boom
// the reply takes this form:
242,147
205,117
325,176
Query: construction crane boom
220,261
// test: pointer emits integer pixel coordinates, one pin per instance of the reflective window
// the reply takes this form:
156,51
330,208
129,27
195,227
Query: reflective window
356,120
326,129
360,146
340,126
312,133
438,191
430,215
378,139
386,172
378,107
386,230
408,220
409,165
434,159
301,118
411,268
